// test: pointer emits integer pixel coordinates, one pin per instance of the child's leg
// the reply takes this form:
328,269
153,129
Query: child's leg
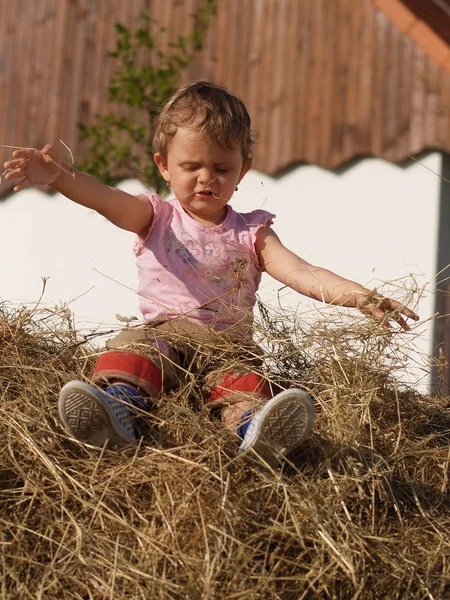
109,412
271,431
238,395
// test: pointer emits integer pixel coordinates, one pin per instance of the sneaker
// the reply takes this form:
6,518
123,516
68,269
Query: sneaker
100,417
280,426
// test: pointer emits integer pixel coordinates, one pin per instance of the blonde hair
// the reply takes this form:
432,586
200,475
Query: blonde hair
209,109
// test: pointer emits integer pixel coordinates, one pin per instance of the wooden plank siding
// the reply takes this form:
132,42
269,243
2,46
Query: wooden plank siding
325,81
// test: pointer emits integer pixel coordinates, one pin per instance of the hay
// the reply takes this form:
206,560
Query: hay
361,511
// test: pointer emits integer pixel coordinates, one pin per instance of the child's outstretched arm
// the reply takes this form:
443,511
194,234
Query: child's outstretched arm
44,167
321,284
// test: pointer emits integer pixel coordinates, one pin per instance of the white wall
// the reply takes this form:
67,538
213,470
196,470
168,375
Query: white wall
373,223
376,223
49,236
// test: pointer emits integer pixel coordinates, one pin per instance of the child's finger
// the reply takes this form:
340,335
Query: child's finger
13,164
409,313
396,315
15,174
18,172
381,317
394,307
384,314
400,320
23,153
392,310
48,149
22,185
396,310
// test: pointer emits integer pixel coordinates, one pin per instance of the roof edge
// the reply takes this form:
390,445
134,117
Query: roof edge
421,33
404,162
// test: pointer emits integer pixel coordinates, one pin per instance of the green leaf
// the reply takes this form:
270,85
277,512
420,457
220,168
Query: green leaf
119,143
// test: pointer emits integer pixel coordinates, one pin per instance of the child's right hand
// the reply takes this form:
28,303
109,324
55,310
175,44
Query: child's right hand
33,167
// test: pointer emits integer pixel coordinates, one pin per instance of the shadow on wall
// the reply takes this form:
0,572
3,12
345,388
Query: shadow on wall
441,333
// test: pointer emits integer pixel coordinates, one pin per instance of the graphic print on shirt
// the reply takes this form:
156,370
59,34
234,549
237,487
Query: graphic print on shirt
205,275
211,262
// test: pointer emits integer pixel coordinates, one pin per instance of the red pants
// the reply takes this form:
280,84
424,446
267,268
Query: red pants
148,357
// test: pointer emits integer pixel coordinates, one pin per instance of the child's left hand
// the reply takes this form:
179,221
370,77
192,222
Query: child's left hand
382,309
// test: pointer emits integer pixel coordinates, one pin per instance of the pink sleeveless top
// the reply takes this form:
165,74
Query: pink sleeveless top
207,275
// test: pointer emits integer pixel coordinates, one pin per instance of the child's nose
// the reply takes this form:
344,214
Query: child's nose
205,176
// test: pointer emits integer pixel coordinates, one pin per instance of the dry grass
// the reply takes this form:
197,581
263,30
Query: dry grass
362,511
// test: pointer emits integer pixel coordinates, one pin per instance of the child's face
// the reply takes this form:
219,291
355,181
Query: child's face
203,175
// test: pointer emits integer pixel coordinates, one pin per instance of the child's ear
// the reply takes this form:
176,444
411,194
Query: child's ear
161,163
246,166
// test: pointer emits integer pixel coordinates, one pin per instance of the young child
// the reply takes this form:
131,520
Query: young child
199,264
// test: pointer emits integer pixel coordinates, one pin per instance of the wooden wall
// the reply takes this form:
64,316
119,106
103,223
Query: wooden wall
324,80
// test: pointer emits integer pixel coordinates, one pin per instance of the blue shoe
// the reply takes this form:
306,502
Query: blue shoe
280,426
100,417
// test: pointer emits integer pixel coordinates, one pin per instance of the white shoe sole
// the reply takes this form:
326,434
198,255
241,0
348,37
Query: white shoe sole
93,417
280,426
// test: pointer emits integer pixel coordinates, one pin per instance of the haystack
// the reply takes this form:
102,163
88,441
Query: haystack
360,511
